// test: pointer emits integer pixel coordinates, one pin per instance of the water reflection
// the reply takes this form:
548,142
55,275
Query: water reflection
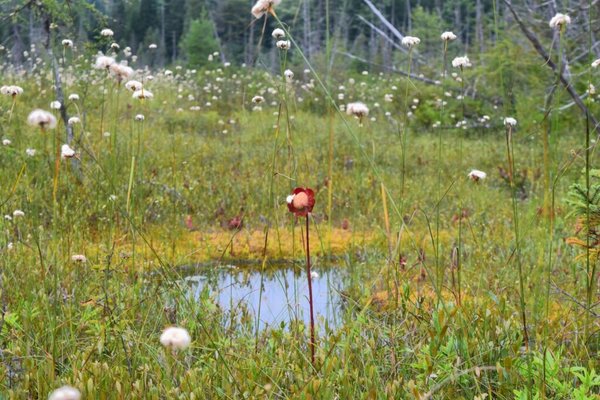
283,298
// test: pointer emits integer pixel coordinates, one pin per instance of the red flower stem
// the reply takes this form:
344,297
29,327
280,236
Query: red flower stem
310,297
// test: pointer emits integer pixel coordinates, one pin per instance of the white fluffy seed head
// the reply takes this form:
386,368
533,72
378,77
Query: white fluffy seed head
175,338
42,119
142,94
357,109
261,7
477,175
510,121
79,258
104,62
461,62
120,71
11,90
284,44
133,86
107,32
289,74
448,36
559,20
278,33
65,393
410,41
66,151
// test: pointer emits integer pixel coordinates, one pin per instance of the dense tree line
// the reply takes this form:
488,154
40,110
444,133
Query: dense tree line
191,29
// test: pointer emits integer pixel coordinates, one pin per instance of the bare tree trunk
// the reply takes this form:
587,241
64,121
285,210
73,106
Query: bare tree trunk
163,38
18,45
438,8
307,29
408,17
372,45
457,17
250,46
479,25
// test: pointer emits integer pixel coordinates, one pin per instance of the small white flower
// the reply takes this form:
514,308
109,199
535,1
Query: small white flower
596,63
153,46
67,43
6,142
55,105
74,97
278,33
289,199
73,121
175,338
258,99
510,121
559,20
461,62
284,44
410,41
448,36
107,32
30,152
314,275
115,46
66,151
139,117
18,213
477,175
65,393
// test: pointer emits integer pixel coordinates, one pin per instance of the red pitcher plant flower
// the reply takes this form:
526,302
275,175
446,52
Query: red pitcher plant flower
301,201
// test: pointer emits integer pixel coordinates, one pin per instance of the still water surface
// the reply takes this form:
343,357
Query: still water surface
283,298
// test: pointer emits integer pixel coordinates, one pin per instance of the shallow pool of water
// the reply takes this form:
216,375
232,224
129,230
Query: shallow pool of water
273,298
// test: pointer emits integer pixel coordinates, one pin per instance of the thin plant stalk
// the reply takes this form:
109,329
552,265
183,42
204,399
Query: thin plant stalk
589,269
439,273
460,201
518,258
310,295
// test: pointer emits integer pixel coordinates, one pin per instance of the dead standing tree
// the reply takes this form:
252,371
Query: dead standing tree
539,48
